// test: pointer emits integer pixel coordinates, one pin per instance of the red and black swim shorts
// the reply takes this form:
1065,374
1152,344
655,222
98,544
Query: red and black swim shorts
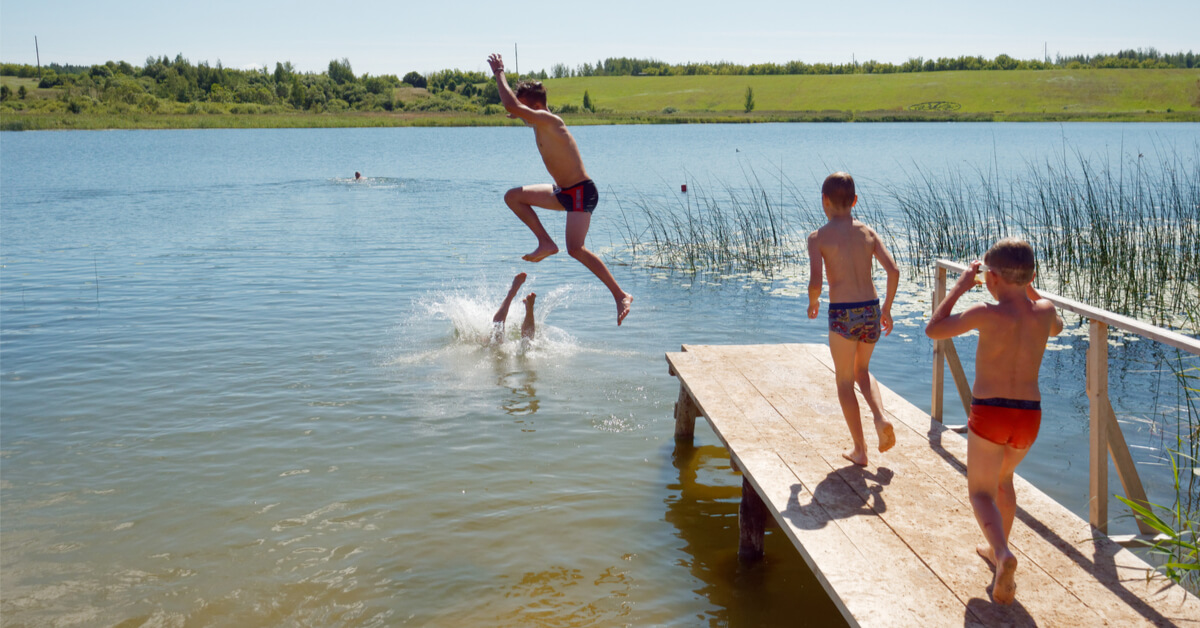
581,197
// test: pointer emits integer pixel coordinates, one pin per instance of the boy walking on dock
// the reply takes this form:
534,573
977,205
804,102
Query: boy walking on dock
572,191
842,250
1006,407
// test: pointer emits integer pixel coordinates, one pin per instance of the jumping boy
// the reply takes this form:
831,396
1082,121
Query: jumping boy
1006,409
842,249
572,191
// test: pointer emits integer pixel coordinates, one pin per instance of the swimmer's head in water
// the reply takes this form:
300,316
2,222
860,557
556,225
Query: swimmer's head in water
357,175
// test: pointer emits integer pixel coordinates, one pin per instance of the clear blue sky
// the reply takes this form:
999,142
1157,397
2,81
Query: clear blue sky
396,37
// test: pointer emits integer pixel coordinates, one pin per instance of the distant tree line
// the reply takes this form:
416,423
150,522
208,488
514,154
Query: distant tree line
624,66
162,79
161,82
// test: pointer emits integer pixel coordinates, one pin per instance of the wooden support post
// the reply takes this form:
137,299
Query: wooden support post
1097,392
939,376
960,376
685,415
1131,482
752,522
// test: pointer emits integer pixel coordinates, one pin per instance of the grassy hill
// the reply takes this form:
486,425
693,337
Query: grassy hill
1014,95
1020,93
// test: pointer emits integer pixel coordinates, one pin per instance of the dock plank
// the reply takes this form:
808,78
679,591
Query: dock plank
840,545
1063,544
894,546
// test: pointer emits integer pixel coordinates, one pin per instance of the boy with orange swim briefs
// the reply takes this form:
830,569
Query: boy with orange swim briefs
1006,410
842,249
572,191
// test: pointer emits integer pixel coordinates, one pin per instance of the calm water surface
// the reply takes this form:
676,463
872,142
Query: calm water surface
240,389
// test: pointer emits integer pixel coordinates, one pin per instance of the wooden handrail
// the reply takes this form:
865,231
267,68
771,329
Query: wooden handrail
1112,319
1105,436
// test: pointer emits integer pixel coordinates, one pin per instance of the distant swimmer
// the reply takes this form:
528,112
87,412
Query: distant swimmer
572,190
528,327
358,176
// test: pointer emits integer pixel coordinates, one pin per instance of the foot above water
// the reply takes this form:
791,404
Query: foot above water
541,253
623,305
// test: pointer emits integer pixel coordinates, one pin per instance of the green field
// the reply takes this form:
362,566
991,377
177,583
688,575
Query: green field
1010,93
1019,95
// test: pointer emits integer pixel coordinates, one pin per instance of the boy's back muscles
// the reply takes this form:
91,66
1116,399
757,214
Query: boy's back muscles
846,249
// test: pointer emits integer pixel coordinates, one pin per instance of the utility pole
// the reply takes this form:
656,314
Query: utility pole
516,60
39,56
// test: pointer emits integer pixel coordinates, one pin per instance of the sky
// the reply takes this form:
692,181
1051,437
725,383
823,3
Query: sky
398,36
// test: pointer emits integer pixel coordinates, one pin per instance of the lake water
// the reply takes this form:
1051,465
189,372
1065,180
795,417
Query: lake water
239,388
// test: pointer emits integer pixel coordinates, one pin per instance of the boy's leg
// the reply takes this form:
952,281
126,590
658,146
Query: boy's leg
870,390
577,228
987,463
522,200
502,313
527,327
843,351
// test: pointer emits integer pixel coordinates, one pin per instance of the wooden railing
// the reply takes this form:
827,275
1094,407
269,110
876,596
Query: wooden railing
1106,438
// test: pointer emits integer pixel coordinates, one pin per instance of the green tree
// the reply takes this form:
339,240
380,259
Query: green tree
5,92
587,101
749,105
415,79
340,71
22,92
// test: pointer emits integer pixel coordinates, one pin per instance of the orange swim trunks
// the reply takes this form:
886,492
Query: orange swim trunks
1006,421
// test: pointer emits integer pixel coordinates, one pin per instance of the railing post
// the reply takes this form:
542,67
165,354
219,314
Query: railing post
939,353
1097,393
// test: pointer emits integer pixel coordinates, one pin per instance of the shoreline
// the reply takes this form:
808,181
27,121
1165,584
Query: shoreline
105,121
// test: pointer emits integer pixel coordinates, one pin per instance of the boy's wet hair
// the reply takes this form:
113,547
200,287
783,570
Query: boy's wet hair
532,91
839,187
1012,259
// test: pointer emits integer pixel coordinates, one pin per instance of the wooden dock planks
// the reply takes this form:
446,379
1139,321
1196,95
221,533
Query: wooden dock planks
893,544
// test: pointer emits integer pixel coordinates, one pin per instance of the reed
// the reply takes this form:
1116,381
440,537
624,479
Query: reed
757,226
1124,235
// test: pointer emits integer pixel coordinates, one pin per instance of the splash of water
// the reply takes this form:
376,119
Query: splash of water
469,310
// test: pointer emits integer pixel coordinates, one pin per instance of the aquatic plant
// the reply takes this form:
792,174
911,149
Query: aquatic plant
1123,236
749,228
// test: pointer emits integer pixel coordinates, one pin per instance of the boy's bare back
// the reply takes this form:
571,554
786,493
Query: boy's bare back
1012,339
847,247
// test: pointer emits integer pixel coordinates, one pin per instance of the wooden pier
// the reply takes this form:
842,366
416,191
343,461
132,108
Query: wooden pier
893,544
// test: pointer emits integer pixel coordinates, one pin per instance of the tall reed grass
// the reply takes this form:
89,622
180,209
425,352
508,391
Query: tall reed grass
1124,235
757,226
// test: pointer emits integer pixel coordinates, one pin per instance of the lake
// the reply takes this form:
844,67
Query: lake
239,388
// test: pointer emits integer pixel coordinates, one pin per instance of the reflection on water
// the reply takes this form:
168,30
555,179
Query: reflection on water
778,590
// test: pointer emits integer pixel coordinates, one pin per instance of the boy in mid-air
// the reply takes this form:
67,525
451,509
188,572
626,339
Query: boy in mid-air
572,191
842,250
1006,409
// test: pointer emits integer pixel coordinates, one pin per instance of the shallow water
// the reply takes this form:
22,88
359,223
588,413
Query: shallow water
239,388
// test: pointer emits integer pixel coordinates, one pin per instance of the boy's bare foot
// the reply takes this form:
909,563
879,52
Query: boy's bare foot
542,252
1004,587
887,434
857,457
623,305
517,281
985,551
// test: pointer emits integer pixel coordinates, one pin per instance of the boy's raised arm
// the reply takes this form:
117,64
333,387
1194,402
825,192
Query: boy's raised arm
507,98
943,324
